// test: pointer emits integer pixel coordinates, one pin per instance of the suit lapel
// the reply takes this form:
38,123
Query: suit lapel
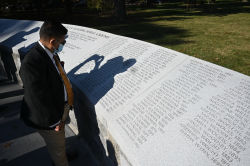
48,60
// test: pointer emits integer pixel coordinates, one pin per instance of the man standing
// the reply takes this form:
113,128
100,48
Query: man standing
48,94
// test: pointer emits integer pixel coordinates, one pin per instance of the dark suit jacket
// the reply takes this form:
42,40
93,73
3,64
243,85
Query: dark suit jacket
43,102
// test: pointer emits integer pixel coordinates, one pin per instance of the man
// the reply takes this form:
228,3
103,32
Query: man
48,95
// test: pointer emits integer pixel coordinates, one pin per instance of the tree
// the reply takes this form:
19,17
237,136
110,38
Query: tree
68,6
120,9
96,4
117,6
149,3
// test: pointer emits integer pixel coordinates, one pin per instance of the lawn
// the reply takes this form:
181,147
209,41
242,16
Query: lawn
218,33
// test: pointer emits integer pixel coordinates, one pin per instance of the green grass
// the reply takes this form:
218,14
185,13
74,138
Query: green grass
218,33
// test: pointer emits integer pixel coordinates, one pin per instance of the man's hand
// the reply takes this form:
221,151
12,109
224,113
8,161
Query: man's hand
60,126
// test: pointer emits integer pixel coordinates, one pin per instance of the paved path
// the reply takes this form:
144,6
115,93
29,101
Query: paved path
21,145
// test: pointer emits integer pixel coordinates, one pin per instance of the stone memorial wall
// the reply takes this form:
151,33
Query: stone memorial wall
156,106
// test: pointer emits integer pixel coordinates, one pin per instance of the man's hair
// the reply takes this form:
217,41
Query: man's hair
51,29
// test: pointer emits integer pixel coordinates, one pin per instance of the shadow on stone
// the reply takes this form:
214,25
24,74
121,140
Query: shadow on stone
94,85
8,58
11,93
8,63
13,128
38,157
100,80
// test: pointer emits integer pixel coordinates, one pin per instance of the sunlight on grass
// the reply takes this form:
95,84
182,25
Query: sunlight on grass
222,38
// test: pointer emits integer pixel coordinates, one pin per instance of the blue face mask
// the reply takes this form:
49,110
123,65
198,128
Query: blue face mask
60,48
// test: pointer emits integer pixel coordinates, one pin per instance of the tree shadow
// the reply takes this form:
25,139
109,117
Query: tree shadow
101,79
18,38
23,50
224,8
8,63
178,8
144,23
8,26
157,34
7,52
143,16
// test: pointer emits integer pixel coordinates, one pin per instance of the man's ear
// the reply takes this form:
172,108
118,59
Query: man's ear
52,41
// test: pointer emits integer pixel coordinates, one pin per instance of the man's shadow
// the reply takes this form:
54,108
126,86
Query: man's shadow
100,80
93,86
7,52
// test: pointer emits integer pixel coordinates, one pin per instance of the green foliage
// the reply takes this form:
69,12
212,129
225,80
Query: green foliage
100,5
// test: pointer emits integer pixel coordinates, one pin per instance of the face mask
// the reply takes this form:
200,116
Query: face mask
60,48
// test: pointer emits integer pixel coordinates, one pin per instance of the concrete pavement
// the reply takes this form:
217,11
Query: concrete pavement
21,145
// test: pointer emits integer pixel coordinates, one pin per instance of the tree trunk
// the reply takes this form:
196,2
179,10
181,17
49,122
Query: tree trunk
149,3
68,6
120,9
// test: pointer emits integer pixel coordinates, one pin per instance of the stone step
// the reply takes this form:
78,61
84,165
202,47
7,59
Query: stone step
7,102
